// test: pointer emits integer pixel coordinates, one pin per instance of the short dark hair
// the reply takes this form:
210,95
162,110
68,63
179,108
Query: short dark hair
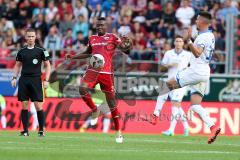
178,36
30,30
205,15
101,19
79,32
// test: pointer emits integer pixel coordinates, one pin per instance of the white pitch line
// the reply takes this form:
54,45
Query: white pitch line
123,150
137,140
150,140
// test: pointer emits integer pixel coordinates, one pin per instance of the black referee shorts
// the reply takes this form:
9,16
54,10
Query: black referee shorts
30,88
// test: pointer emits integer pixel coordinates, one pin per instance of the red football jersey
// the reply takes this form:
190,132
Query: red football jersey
106,46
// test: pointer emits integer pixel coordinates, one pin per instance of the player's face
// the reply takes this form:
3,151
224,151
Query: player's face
101,27
178,43
199,22
30,37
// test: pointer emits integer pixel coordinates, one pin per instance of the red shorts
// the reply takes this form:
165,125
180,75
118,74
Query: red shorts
106,81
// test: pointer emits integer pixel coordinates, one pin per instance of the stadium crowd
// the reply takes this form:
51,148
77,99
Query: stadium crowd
64,25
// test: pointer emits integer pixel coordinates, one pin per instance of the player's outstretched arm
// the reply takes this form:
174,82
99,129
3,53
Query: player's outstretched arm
82,55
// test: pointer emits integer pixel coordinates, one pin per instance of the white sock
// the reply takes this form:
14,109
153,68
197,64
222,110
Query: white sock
203,114
160,101
106,124
175,117
4,121
183,117
87,122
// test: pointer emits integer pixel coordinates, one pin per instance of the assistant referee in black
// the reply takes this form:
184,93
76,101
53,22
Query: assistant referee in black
30,86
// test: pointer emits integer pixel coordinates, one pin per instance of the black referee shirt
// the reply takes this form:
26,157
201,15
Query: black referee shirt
32,60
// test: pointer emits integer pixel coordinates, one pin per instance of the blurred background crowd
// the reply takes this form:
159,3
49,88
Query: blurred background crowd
63,26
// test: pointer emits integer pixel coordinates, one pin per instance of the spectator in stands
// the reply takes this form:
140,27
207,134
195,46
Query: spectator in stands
98,12
139,45
12,11
226,10
215,9
12,34
152,17
39,39
185,13
81,25
6,25
137,5
39,10
80,42
125,26
68,39
110,25
198,4
40,23
217,26
56,21
114,14
126,11
66,23
92,4
138,28
80,9
166,31
150,41
107,4
51,11
64,8
3,8
219,41
53,40
168,14
26,5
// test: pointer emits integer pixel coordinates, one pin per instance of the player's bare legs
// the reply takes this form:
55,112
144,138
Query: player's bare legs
196,100
24,118
172,84
88,100
83,90
40,116
177,113
112,103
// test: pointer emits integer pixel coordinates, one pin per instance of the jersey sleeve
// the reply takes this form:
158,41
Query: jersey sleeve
45,55
117,40
89,45
19,56
165,59
201,43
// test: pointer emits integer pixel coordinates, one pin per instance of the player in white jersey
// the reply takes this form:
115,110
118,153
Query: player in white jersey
197,75
173,61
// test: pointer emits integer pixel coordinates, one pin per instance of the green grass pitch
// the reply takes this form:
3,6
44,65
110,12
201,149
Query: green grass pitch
93,146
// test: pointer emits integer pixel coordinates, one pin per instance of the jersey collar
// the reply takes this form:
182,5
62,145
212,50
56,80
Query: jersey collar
204,31
30,47
178,52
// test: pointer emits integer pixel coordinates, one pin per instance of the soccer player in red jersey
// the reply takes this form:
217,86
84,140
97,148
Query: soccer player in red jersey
105,44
